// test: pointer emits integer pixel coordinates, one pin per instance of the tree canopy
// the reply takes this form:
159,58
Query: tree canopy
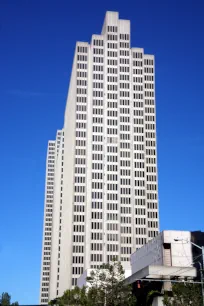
106,286
184,294
109,285
5,300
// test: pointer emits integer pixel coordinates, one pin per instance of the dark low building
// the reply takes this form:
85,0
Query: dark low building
197,237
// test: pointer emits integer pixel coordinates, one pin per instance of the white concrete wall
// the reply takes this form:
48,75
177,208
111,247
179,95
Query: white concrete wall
149,254
181,251
56,217
47,226
88,165
158,301
67,207
153,253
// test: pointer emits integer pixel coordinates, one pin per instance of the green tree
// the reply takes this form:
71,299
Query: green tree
5,300
76,297
150,296
107,286
184,294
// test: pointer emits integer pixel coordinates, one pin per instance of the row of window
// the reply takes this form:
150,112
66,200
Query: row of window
112,62
78,208
97,147
124,45
80,143
81,82
149,78
78,249
126,240
151,196
112,248
149,62
141,241
148,70
98,59
81,91
97,205
137,55
81,66
137,63
97,68
80,151
152,214
79,199
81,99
152,224
112,53
96,236
80,116
112,237
96,215
137,71
81,49
78,259
77,270
112,45
112,216
78,228
112,37
97,93
79,218
98,76
152,234
80,170
97,129
80,161
81,74
96,225
126,250
149,94
98,51
96,257
82,58
98,42
112,206
152,205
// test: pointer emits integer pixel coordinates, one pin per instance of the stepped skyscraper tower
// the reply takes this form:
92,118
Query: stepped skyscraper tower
101,199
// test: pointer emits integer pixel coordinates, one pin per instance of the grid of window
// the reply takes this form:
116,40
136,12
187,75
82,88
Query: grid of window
126,240
96,252
150,145
60,163
80,164
112,134
49,197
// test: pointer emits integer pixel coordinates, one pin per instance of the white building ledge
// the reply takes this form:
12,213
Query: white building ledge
162,272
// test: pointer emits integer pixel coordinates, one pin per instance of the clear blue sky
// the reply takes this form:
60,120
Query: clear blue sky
37,41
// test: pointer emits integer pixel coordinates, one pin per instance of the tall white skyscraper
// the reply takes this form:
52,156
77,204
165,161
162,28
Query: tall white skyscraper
101,182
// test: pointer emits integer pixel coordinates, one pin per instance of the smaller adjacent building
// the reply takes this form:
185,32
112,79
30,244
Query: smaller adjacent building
197,237
167,257
168,254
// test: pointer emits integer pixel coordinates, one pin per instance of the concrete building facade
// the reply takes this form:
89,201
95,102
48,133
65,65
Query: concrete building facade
105,198
48,233
164,252
155,266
